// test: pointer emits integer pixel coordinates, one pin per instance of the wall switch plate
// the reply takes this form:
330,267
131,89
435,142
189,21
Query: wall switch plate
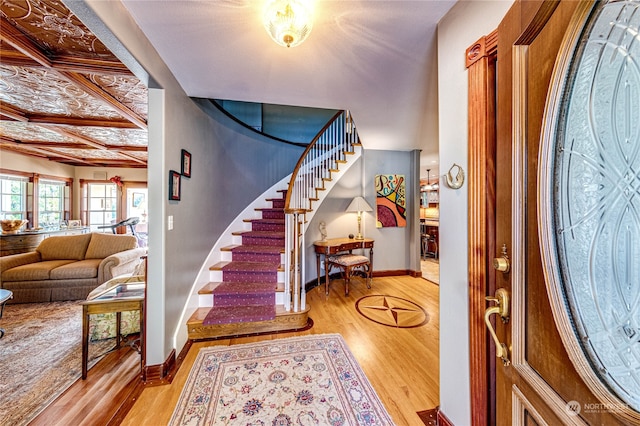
169,223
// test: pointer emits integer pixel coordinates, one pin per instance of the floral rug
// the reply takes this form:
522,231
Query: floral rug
40,355
309,380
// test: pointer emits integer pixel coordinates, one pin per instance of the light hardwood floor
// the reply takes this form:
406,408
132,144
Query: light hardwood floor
401,363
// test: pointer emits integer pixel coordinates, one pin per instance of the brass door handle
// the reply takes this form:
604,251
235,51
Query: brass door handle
502,309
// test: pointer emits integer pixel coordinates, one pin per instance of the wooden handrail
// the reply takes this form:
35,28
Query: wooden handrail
312,144
321,157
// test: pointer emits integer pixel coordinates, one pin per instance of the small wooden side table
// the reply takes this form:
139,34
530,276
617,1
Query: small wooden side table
127,296
337,245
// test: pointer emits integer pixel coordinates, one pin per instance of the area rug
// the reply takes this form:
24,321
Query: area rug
308,380
40,357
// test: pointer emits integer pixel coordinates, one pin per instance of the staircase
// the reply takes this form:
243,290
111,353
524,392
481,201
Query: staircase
244,289
258,286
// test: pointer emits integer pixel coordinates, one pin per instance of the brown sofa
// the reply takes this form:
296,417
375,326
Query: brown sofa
68,267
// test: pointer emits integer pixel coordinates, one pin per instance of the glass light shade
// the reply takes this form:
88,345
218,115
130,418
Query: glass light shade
288,22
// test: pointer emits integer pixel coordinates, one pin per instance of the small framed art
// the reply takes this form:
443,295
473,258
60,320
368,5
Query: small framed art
74,223
174,185
136,199
186,163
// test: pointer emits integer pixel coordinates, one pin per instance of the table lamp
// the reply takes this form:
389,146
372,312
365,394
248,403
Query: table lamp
359,205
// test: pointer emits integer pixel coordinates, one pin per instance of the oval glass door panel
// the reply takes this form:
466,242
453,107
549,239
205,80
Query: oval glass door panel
595,189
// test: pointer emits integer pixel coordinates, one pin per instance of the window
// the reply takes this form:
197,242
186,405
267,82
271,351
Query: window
51,202
13,197
102,203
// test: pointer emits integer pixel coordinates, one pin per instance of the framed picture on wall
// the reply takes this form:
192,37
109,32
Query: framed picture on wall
174,185
186,163
136,199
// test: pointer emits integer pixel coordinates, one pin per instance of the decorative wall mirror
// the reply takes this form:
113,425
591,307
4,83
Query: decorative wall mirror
589,205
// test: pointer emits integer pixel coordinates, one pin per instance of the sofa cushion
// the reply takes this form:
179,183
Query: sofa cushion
81,269
34,271
104,245
70,247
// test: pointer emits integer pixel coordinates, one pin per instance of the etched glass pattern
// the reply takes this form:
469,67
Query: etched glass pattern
597,196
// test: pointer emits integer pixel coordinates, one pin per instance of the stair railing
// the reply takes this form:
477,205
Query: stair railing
320,158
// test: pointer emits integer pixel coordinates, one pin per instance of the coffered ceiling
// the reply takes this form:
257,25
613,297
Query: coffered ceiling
63,95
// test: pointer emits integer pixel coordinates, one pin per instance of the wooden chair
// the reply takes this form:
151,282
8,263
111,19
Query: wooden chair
348,264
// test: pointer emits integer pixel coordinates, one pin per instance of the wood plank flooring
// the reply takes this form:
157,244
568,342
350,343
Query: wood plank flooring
402,364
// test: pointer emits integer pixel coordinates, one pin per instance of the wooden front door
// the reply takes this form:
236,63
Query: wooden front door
542,379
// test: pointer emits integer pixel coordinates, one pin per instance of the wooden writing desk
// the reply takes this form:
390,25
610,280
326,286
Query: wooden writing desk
336,245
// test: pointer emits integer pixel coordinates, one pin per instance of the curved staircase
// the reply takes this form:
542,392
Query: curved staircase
259,283
245,290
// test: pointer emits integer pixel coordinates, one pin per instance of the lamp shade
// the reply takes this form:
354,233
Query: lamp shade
359,204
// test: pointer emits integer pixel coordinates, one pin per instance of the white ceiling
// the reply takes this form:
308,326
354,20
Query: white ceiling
375,58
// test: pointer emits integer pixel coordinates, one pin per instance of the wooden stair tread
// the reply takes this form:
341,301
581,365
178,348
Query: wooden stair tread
283,321
253,248
200,313
209,287
266,234
265,220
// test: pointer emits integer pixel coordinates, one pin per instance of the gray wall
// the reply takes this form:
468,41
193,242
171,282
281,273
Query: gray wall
230,167
394,248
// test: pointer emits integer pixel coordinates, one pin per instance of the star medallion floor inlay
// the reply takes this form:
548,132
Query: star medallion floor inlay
392,311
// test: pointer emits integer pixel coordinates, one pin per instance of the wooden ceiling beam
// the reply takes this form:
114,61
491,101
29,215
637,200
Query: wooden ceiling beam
45,152
57,120
41,144
17,114
132,158
127,148
97,92
101,162
65,63
17,59
90,66
13,113
12,36
82,139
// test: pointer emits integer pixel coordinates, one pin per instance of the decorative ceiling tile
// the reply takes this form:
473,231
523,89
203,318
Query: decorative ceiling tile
54,28
31,132
91,154
40,91
128,91
62,98
111,136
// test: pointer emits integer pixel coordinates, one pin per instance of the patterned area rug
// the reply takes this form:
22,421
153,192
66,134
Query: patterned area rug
40,357
309,380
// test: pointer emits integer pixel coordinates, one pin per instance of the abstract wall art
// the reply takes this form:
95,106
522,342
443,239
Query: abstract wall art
391,208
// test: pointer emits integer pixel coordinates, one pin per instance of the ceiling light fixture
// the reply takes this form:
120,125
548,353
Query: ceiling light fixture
288,22
428,186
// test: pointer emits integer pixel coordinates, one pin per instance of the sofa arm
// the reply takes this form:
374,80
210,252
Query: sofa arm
119,263
11,261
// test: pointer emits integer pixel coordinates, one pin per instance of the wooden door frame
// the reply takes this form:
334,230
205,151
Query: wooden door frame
530,18
481,65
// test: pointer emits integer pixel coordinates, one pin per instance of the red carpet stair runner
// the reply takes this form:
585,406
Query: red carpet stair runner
247,292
